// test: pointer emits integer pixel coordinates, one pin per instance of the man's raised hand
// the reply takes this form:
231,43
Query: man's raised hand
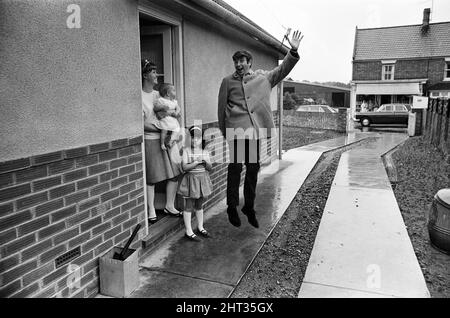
295,40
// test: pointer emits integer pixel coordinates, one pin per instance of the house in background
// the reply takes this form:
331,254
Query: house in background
72,181
393,64
333,96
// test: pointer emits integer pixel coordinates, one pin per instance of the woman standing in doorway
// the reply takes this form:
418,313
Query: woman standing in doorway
160,164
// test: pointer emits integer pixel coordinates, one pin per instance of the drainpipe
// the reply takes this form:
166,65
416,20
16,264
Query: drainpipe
232,19
280,121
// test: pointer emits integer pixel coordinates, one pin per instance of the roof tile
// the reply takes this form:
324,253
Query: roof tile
403,42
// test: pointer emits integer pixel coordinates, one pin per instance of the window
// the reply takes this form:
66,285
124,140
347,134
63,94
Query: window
440,94
400,108
388,72
447,71
318,109
386,108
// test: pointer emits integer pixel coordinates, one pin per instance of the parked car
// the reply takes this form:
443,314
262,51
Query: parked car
386,114
317,108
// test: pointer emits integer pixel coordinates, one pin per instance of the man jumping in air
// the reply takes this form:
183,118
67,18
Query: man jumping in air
245,117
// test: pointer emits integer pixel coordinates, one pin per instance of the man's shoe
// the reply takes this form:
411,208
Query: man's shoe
251,216
233,216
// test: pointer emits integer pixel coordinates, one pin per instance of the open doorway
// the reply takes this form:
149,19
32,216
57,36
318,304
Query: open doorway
160,42
338,99
386,99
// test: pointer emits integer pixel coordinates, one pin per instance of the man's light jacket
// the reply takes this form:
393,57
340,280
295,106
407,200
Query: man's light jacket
244,103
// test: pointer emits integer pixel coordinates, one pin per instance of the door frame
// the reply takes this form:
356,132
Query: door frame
166,31
177,47
176,22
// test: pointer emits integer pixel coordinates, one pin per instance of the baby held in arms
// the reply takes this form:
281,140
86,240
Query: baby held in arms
167,111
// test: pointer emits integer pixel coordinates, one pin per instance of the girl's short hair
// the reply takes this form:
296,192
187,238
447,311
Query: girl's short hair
147,66
192,130
164,89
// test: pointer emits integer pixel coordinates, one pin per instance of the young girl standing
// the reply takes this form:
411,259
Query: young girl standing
196,185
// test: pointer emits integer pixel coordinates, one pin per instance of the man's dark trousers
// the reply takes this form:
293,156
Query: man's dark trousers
243,151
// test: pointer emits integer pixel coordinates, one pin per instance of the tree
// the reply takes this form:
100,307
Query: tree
288,102
297,99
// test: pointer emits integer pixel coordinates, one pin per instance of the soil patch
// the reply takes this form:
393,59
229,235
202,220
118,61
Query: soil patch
421,172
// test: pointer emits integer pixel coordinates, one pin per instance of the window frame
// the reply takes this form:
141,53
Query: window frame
384,72
403,108
447,70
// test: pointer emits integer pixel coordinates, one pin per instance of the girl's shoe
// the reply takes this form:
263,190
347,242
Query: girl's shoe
179,214
192,237
152,220
204,233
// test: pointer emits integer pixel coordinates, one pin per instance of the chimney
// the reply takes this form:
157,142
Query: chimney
426,20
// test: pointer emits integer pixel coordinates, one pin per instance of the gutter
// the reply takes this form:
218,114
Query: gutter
229,18
380,82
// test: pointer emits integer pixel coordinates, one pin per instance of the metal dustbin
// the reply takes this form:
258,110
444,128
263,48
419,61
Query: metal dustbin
439,221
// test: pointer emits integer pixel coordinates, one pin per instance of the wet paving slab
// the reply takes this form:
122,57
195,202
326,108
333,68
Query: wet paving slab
169,285
362,246
213,267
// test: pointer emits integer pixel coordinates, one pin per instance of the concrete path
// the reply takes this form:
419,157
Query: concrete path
214,267
362,248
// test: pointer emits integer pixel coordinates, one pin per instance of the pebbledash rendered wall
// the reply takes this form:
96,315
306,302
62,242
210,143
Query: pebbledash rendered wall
71,170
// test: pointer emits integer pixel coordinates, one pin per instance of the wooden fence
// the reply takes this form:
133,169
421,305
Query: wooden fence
437,125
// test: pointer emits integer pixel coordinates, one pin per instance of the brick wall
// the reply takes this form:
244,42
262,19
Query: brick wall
436,71
336,121
89,198
407,69
433,69
366,71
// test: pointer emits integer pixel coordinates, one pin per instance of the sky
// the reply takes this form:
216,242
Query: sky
329,27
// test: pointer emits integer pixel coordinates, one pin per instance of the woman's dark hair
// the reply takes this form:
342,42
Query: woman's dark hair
147,66
164,89
192,131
